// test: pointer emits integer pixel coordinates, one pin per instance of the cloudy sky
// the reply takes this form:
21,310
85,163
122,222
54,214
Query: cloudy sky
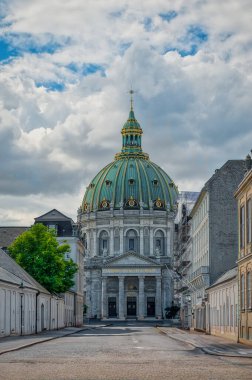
66,67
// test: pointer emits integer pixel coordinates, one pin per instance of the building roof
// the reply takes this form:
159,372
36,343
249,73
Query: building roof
53,216
131,181
235,164
10,271
9,234
227,276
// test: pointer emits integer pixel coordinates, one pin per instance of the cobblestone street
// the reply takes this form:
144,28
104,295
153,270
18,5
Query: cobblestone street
129,351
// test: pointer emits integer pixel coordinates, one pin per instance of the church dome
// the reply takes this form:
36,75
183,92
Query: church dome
131,181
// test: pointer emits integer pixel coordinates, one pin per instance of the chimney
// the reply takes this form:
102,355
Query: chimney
248,163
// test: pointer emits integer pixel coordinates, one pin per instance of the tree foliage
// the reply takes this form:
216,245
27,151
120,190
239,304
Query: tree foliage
39,253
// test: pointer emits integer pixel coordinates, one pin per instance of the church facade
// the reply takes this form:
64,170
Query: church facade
126,223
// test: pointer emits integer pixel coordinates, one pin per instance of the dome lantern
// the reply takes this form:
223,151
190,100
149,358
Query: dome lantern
131,136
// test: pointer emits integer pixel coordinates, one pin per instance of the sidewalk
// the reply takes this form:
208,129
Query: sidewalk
209,344
14,343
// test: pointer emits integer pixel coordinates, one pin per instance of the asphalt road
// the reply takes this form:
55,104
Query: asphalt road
123,352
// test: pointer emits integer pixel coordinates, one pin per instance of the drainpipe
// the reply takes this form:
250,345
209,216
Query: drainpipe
36,315
75,307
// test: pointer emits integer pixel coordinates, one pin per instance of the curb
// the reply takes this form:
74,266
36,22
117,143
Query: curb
40,341
203,349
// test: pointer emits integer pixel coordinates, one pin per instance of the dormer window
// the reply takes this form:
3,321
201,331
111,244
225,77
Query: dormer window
108,182
131,181
155,182
92,185
171,184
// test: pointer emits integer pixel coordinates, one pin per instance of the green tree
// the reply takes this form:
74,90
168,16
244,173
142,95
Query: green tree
39,253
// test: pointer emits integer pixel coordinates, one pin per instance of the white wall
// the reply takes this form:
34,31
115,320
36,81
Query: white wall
50,310
222,311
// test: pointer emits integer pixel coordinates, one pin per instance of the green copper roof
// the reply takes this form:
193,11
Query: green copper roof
132,181
130,184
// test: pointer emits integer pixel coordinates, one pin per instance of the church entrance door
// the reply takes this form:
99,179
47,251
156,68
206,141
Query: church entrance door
112,306
131,306
150,306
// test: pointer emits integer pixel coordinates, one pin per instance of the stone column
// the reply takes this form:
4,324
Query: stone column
121,241
168,243
141,241
158,298
141,297
104,302
121,297
151,242
95,243
88,243
111,245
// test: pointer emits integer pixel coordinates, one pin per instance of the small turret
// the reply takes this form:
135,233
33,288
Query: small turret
131,136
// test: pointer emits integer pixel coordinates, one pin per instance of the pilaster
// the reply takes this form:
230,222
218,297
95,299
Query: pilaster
111,245
95,242
141,241
121,241
151,242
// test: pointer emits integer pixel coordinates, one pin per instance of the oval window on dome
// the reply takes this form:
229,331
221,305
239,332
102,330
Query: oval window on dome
104,204
108,182
158,203
131,181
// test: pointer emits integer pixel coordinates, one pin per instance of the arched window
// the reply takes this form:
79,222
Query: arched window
131,240
159,243
103,243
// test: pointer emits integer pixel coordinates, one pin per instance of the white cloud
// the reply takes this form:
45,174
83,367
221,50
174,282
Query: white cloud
195,109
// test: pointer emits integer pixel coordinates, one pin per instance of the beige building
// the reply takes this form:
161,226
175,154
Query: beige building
244,198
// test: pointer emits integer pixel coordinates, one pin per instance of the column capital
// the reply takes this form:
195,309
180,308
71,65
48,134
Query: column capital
141,277
121,277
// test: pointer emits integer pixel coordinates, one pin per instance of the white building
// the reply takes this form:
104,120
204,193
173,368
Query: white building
222,306
127,225
25,306
66,232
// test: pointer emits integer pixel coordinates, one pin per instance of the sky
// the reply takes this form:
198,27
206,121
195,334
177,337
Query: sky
66,68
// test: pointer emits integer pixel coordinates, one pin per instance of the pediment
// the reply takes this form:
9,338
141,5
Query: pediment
131,259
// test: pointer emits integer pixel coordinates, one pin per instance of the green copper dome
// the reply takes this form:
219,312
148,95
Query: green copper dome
131,181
